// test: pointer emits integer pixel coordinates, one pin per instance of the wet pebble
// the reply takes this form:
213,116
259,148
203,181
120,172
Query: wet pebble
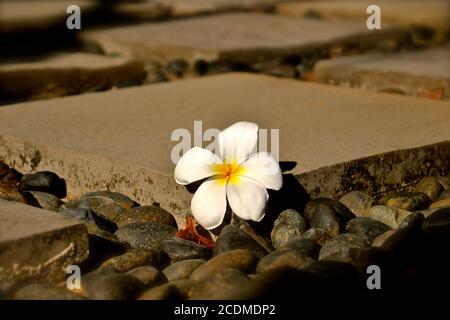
180,249
342,247
132,259
182,269
430,186
358,202
440,203
106,204
231,237
438,221
339,209
240,259
289,225
148,275
308,246
390,216
221,280
46,200
89,217
368,227
410,201
318,235
184,286
283,258
147,235
44,181
145,214
111,286
326,219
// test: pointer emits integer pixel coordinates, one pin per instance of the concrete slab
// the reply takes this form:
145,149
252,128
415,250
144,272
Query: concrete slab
35,15
66,74
430,13
423,73
37,244
239,37
121,140
180,8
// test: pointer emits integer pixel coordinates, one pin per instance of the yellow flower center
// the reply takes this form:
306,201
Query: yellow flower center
228,172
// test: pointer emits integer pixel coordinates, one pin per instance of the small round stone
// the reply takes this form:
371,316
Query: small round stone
44,181
132,259
231,237
240,259
111,286
145,214
46,200
182,269
326,219
318,235
368,227
283,258
430,186
340,209
390,216
147,235
106,204
289,225
148,275
341,247
410,201
308,246
358,202
219,281
438,221
440,204
180,249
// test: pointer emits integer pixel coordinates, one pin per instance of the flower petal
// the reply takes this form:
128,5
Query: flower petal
238,142
194,165
209,203
247,198
263,168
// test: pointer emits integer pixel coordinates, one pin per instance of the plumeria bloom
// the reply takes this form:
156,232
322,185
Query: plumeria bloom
239,175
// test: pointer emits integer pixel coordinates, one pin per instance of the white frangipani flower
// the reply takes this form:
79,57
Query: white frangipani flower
238,176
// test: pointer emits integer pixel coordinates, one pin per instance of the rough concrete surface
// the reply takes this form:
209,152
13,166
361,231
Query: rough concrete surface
121,140
239,37
429,13
37,244
65,74
419,73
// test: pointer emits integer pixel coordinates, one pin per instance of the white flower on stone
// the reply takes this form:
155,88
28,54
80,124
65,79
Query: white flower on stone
239,176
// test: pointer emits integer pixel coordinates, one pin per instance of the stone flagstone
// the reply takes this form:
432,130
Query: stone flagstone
194,7
38,245
423,73
428,13
66,74
121,139
239,37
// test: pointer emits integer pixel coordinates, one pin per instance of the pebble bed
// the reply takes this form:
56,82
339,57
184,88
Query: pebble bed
325,246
